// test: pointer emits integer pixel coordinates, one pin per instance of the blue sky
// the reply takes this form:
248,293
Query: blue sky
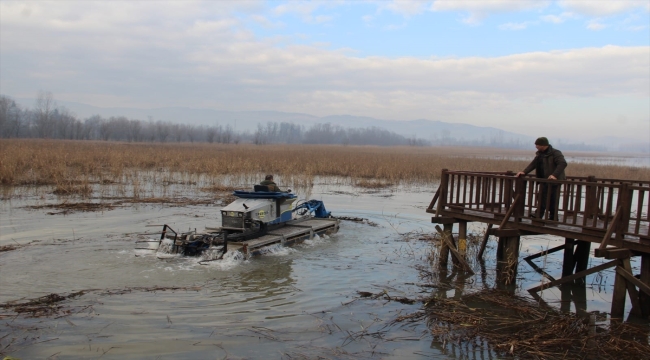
368,30
576,67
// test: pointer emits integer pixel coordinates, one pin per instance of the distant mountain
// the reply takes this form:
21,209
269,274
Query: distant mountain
437,132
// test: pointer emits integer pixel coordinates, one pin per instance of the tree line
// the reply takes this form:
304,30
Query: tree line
48,120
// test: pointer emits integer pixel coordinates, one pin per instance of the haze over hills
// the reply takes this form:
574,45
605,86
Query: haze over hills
438,132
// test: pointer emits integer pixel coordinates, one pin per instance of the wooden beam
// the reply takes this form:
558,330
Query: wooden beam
486,236
539,270
610,230
581,274
636,282
545,252
618,254
433,201
453,250
505,232
443,220
509,212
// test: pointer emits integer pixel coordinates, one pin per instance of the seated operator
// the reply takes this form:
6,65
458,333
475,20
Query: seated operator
268,181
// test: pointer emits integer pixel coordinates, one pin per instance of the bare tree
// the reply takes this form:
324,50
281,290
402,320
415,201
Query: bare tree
10,118
44,108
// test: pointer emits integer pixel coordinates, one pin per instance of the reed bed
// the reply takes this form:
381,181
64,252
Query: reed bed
71,165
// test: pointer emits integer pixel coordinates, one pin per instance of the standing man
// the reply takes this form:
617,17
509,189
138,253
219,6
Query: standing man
549,164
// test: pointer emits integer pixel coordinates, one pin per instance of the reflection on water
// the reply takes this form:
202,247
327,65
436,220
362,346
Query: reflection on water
290,303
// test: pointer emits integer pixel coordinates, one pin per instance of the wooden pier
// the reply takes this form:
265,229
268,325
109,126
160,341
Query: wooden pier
612,213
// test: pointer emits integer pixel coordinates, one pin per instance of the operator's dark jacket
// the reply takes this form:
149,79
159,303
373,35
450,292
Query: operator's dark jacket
552,163
272,186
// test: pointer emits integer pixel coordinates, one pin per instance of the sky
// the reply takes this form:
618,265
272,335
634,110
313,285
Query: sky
577,69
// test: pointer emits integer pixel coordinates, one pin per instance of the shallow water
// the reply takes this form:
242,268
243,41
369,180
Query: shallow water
291,303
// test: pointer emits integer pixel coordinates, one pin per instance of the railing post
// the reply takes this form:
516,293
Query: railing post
625,203
520,189
591,203
442,199
508,189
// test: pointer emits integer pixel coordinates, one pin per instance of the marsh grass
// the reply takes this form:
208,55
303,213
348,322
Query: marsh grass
73,167
363,183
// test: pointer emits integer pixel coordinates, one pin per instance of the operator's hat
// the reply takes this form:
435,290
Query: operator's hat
542,141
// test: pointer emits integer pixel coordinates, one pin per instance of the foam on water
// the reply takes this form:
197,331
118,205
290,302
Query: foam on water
317,240
230,259
277,250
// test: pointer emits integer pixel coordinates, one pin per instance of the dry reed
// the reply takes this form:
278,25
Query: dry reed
75,164
517,327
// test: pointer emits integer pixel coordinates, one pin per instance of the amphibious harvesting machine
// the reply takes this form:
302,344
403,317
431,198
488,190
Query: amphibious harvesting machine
255,220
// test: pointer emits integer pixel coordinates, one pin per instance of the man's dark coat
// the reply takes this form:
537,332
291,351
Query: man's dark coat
551,163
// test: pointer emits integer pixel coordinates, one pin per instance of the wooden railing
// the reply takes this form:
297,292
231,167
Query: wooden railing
585,204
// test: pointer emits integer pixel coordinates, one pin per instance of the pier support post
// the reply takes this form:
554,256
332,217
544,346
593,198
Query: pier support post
444,249
644,299
581,258
507,259
618,297
575,261
569,263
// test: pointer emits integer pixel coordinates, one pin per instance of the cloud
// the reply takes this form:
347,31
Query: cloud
595,25
266,23
391,27
557,19
405,8
604,8
515,26
305,10
201,56
637,28
478,10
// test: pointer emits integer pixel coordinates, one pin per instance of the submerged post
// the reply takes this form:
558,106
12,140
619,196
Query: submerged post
444,248
507,259
462,238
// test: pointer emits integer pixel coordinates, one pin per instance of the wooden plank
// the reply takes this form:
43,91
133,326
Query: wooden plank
575,276
453,250
545,252
612,227
433,201
538,269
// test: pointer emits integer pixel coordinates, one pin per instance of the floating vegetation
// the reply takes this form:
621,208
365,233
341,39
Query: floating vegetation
53,304
67,208
357,220
514,326
48,305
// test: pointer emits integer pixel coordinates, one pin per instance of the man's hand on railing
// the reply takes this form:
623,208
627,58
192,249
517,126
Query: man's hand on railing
552,177
521,173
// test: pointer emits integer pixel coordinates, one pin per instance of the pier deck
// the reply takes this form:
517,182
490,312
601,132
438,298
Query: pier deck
612,213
